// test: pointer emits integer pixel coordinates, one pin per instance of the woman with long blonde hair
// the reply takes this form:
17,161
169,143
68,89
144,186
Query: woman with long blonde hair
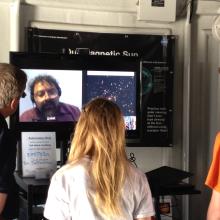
98,182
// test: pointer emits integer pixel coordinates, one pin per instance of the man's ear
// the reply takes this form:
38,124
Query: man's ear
14,104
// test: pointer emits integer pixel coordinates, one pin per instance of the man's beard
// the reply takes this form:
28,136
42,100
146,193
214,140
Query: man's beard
48,110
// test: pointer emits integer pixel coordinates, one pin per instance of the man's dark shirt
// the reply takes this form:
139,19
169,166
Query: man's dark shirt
65,112
7,168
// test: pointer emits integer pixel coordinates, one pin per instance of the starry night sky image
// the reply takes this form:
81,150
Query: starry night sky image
121,89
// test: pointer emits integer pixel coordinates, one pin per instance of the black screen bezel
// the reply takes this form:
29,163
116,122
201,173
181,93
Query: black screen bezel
64,130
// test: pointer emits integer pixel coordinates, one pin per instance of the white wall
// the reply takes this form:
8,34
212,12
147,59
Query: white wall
5,31
205,98
115,16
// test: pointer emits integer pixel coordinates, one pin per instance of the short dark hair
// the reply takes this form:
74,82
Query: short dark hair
51,80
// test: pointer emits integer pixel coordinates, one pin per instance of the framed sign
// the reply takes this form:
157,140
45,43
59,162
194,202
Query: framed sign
38,154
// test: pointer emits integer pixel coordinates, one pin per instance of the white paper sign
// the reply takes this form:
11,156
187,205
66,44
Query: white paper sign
38,154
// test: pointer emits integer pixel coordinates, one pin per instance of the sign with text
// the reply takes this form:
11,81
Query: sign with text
157,109
38,154
156,54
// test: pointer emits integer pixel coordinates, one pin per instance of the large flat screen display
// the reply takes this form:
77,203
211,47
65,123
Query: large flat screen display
59,85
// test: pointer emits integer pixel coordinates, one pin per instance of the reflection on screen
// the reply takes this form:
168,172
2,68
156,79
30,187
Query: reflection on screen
119,86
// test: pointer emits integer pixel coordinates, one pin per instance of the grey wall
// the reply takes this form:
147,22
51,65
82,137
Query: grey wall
196,81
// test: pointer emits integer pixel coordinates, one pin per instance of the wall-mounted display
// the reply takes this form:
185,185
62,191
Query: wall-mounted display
155,54
59,85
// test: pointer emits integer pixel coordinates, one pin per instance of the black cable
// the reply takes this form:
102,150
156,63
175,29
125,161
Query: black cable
191,11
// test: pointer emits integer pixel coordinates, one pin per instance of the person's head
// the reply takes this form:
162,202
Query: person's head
45,93
12,84
100,133
100,130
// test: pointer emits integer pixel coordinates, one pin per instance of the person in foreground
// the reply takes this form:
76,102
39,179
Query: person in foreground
45,95
213,182
99,182
12,85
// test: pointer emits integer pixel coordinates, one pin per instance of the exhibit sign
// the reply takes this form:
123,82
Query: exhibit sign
38,154
157,107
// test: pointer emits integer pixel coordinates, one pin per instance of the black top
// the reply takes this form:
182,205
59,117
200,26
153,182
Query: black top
7,168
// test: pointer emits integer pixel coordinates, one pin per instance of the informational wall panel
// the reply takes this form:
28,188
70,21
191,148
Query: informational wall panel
157,104
156,55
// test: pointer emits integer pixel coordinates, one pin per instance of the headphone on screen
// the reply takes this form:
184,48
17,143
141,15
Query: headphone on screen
41,78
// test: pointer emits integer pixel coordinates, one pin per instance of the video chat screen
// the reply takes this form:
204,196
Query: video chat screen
78,89
69,81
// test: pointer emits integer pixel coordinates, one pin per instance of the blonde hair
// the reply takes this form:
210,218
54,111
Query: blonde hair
100,133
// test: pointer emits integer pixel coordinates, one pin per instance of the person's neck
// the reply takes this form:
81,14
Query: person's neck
4,112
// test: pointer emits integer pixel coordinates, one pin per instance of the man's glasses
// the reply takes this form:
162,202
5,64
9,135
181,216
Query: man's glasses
50,92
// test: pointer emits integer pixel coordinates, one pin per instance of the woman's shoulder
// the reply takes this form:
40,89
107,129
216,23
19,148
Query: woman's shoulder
72,170
136,172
